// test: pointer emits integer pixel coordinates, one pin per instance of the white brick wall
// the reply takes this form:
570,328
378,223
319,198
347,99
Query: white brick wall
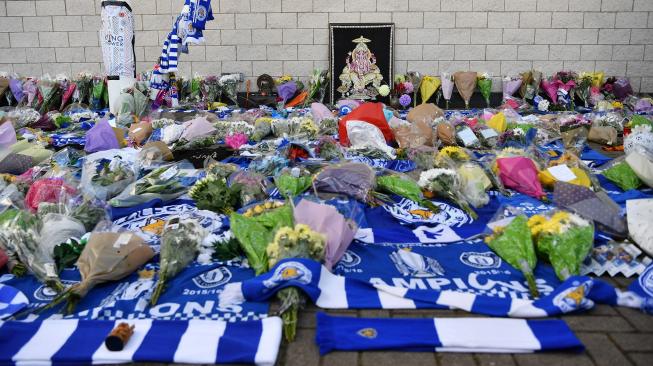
291,36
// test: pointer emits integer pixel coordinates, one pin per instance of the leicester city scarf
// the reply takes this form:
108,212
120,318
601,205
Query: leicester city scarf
11,301
488,335
330,291
189,295
81,342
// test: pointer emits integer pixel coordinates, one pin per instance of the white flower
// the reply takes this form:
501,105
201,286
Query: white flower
430,175
205,256
483,75
518,131
231,78
641,129
543,105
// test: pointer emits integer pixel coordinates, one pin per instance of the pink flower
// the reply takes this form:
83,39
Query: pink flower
409,87
236,141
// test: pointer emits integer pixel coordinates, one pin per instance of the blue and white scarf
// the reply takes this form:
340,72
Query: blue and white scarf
330,291
11,301
488,335
81,342
189,295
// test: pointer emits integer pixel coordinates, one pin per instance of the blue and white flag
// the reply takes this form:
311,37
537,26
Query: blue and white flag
330,291
192,294
487,335
11,301
405,221
81,342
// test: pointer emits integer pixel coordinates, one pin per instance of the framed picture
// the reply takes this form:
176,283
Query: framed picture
361,58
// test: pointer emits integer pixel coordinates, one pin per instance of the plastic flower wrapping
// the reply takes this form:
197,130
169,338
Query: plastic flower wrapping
108,256
564,238
179,247
446,80
513,242
484,83
446,184
521,174
297,242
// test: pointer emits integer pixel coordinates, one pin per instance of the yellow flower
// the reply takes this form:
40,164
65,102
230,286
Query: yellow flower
560,216
453,152
536,220
617,105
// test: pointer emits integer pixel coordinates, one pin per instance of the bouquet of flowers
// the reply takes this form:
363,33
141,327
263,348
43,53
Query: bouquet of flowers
160,181
428,87
466,136
422,156
530,86
514,244
510,85
451,153
212,193
20,238
262,128
252,186
84,88
105,178
229,85
356,180
328,149
484,83
584,86
226,128
328,126
521,174
465,83
317,86
297,242
474,183
641,161
179,247
574,130
165,182
564,238
308,128
621,174
50,92
22,117
98,93
445,183
293,182
447,86
404,187
255,232
269,165
108,256
211,91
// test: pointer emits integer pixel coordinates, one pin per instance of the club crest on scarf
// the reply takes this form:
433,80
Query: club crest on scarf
410,212
150,221
45,293
213,278
574,298
411,264
646,281
481,260
436,234
369,333
289,271
349,259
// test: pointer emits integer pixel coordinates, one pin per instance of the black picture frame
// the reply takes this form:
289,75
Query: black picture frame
382,37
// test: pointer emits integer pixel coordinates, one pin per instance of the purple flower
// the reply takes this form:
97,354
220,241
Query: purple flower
405,100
